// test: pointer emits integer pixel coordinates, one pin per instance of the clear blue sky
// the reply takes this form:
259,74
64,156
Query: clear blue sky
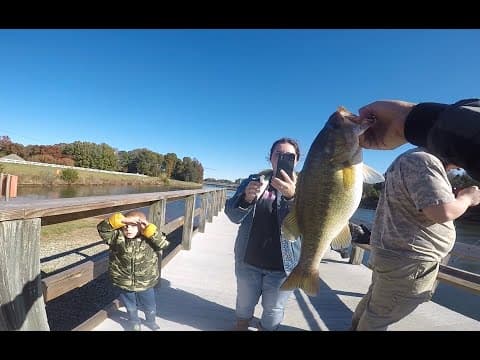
220,96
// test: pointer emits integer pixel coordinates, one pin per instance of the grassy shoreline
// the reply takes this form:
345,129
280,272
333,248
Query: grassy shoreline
37,175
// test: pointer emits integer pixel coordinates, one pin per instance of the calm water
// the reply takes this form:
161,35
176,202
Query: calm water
456,299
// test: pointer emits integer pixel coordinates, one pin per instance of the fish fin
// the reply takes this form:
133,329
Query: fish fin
343,239
371,176
301,279
290,228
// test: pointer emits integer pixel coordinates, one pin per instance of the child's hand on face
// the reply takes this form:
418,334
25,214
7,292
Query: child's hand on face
131,220
142,224
135,220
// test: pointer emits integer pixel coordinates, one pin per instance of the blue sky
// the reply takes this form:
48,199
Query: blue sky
220,96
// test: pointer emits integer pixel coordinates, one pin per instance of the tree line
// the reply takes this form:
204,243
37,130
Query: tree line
104,157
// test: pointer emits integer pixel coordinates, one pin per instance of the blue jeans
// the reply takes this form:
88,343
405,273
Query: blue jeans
253,282
146,298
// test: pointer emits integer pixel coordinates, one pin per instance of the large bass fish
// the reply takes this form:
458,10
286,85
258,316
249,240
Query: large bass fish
328,192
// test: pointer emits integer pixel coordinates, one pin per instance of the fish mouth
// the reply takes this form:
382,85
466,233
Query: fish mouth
362,123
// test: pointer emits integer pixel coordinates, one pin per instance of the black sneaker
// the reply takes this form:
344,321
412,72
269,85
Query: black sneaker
152,326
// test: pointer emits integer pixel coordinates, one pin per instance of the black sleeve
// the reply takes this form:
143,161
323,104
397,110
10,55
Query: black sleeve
451,132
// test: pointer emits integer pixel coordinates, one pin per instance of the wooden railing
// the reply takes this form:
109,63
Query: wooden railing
451,275
23,292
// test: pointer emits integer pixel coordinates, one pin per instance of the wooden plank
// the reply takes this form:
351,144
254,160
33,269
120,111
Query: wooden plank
188,225
55,207
210,207
203,207
174,225
65,281
13,186
21,302
99,317
156,215
356,255
453,276
2,183
460,278
172,254
7,187
459,249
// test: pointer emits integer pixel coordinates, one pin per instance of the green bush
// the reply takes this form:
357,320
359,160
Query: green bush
69,175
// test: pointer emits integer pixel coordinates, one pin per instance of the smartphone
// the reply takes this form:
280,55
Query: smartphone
286,162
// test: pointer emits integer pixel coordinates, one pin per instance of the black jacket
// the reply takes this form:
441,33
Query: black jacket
451,132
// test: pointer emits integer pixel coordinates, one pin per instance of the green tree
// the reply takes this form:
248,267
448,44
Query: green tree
69,175
170,160
91,155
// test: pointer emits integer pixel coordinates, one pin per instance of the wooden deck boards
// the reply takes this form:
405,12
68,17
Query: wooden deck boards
198,293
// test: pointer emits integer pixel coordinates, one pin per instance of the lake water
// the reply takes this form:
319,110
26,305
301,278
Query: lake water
452,297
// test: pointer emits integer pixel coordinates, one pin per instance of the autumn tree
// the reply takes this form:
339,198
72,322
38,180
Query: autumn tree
8,147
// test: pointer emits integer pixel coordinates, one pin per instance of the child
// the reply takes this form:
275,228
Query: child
133,264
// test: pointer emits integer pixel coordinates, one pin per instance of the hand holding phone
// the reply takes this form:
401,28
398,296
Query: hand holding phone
285,162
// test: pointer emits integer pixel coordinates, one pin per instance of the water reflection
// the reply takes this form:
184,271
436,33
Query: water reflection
68,192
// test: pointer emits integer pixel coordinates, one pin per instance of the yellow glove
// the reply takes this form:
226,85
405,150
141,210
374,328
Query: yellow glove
149,230
116,220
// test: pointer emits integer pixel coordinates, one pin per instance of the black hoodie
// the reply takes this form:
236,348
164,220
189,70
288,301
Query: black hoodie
450,131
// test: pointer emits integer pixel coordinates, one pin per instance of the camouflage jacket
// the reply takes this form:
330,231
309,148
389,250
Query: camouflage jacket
133,263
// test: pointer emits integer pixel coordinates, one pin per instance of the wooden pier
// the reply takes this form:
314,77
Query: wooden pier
198,293
198,287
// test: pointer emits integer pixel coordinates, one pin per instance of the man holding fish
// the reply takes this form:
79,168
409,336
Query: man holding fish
413,228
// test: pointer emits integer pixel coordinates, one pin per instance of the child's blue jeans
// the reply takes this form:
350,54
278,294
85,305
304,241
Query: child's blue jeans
132,300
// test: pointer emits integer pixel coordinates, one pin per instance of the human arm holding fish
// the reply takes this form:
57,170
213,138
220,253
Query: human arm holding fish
449,131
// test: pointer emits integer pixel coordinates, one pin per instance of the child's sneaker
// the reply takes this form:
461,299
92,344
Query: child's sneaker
152,326
136,327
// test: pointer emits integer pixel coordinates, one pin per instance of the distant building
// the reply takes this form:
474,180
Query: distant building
12,157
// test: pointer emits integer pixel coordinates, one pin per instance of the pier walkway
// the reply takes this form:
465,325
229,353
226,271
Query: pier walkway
197,293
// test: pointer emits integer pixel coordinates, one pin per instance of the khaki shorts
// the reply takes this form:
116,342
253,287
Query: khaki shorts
398,286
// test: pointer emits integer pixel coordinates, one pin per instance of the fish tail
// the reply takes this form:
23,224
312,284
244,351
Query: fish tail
302,279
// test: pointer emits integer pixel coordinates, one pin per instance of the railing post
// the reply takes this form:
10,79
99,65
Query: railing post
2,183
7,188
356,255
21,300
215,202
188,224
224,198
156,215
203,215
210,207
